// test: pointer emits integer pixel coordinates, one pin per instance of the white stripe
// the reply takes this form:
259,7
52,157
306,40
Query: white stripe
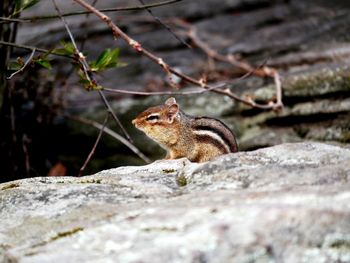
214,136
153,114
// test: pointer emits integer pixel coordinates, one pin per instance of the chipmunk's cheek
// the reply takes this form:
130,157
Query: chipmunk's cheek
148,130
155,132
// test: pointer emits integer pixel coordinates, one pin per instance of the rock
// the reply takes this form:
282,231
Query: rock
287,203
336,131
306,41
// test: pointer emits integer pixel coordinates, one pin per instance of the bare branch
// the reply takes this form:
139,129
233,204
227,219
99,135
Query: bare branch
89,76
190,92
113,134
137,46
165,26
65,24
192,34
31,48
94,147
145,93
106,10
110,110
278,88
85,35
24,66
260,71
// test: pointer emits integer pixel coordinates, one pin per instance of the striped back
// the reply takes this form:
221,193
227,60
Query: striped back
214,131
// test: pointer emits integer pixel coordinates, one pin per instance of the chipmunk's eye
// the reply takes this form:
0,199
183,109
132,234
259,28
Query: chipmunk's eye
152,118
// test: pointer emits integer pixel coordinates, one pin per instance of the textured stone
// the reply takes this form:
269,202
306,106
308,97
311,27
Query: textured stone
307,41
288,203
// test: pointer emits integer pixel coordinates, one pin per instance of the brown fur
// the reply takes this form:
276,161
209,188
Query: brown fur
200,139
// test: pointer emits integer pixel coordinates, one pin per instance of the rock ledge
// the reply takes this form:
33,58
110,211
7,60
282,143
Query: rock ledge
287,203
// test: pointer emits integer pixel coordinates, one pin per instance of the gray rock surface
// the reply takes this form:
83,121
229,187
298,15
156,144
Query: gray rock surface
287,203
306,41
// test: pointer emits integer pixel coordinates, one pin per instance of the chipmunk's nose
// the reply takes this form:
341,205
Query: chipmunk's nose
134,121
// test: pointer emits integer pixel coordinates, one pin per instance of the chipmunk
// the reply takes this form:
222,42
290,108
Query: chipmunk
200,139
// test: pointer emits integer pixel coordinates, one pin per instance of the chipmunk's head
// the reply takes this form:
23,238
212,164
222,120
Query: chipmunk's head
160,122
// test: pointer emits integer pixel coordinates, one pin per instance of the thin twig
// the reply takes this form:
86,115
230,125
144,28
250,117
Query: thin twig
106,10
94,147
278,86
137,46
260,71
189,92
88,73
5,20
110,110
85,35
31,48
165,26
113,134
80,56
24,66
65,24
154,93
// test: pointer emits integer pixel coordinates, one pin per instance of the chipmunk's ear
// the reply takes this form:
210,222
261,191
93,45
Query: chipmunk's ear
171,101
172,111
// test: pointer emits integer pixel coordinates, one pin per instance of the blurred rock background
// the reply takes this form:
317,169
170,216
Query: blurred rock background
307,41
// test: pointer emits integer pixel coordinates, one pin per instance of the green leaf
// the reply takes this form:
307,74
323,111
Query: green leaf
23,4
43,62
68,49
29,3
107,59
